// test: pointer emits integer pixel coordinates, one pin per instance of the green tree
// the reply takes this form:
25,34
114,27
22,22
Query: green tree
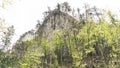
5,40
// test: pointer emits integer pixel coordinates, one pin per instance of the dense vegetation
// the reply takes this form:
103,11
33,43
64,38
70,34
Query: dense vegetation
91,42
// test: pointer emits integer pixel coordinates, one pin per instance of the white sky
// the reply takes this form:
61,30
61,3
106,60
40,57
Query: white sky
25,13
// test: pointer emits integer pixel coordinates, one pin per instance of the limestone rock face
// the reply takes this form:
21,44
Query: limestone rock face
56,20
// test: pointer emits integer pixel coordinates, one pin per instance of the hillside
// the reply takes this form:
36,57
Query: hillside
54,21
62,41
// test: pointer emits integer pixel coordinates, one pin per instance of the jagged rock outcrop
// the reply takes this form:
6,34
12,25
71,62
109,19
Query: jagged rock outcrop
56,20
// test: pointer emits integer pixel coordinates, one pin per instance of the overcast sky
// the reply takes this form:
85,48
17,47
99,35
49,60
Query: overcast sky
24,14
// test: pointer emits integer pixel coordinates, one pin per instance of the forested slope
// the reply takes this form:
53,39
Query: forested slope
66,41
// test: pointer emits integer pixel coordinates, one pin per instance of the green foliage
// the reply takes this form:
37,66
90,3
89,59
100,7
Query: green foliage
92,45
6,34
86,44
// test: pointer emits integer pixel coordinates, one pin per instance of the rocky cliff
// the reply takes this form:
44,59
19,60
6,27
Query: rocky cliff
56,20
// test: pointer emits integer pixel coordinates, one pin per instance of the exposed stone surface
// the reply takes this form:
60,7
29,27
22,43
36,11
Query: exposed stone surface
56,20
